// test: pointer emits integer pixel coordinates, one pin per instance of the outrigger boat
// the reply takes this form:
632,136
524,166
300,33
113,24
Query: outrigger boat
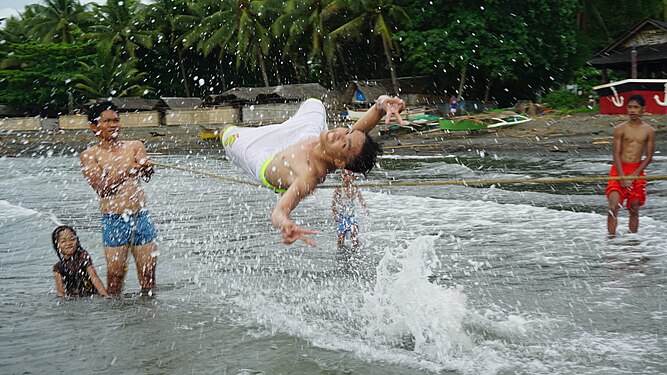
407,114
477,123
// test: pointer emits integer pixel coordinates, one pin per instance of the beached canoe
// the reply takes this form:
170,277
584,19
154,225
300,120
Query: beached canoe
408,114
463,124
481,123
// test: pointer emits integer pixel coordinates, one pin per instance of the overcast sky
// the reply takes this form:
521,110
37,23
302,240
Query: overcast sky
12,7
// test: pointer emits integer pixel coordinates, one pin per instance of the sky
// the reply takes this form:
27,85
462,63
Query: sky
13,7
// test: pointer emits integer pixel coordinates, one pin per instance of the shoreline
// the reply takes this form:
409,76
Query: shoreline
581,134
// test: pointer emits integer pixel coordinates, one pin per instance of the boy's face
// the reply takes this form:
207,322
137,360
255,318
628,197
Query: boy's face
107,126
67,243
342,143
635,111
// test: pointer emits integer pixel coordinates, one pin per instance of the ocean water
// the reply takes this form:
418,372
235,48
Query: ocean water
502,279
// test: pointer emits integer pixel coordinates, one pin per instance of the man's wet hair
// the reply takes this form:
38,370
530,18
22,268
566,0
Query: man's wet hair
96,109
367,157
637,98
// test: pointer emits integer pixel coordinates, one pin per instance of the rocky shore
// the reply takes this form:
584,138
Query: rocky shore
584,134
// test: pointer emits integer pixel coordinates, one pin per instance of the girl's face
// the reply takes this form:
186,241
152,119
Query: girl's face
67,243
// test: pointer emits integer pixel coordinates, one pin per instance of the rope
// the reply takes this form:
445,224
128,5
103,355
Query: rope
208,174
559,180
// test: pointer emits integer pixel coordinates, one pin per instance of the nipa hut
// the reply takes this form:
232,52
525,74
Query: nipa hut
267,105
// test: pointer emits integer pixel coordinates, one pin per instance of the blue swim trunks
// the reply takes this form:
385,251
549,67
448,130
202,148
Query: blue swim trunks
121,229
345,224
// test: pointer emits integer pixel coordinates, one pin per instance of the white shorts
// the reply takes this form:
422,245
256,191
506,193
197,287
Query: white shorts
252,149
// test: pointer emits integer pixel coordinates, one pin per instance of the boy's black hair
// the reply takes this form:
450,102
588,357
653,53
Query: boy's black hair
637,98
96,109
365,161
54,239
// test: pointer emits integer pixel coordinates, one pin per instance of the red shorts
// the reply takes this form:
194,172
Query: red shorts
637,192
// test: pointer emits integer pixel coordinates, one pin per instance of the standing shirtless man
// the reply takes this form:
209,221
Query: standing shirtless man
632,139
114,169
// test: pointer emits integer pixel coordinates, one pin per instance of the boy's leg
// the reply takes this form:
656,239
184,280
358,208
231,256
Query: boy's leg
116,268
354,231
146,262
614,199
633,210
341,239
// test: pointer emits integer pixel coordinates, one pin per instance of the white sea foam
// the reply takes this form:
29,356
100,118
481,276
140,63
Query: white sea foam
10,211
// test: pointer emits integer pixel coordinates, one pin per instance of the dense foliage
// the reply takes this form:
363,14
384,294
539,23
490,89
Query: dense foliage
62,51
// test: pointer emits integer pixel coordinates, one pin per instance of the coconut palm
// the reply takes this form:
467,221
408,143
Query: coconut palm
380,18
110,75
162,19
58,21
304,23
237,27
118,28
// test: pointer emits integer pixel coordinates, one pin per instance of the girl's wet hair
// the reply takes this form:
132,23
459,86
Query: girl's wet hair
54,239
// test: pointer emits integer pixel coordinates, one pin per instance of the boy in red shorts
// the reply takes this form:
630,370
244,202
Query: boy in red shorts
632,139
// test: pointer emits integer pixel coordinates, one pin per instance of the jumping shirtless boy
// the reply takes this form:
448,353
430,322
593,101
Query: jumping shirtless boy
294,157
114,169
632,139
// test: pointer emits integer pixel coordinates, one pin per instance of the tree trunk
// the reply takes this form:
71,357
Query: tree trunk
462,81
341,58
487,92
262,67
223,81
392,69
183,75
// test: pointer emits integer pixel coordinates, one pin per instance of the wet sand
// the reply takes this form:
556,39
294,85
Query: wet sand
583,134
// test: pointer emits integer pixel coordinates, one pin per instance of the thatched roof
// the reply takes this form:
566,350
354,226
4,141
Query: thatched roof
282,93
132,103
182,102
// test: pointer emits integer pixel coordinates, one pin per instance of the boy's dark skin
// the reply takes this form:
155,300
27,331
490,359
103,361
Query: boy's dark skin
632,139
113,169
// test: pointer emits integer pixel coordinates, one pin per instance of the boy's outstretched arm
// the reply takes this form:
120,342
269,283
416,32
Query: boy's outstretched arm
280,217
391,106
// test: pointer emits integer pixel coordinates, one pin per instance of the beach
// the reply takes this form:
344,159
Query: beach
510,278
586,133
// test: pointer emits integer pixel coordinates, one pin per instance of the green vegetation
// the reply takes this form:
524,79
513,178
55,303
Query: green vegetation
59,53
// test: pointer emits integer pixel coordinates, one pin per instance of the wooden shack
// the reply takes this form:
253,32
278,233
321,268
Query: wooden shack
266,105
640,53
20,123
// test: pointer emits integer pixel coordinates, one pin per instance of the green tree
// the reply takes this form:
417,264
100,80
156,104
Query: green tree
118,29
238,27
161,18
110,76
303,25
36,77
381,18
59,21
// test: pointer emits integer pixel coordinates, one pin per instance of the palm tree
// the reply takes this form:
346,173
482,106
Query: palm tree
110,75
381,18
303,23
234,26
118,28
162,18
59,21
